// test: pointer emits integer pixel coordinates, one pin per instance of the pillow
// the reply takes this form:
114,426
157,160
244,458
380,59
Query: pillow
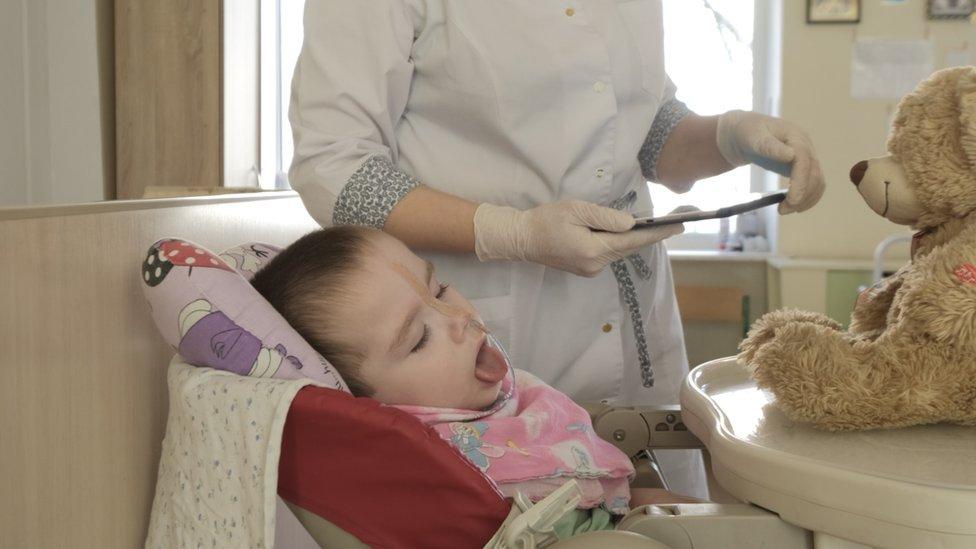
207,310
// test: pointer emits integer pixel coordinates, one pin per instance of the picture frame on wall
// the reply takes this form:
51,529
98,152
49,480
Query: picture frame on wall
951,9
833,11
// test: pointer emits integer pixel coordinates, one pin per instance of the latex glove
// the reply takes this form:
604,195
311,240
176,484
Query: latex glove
572,235
777,145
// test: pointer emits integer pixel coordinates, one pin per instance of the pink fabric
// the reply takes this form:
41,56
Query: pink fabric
532,440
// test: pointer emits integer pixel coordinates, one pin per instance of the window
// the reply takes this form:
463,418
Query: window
280,31
709,47
707,42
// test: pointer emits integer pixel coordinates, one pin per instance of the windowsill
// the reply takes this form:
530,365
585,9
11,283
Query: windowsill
784,262
718,255
840,264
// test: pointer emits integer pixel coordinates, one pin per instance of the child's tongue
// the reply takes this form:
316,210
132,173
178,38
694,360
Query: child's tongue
490,366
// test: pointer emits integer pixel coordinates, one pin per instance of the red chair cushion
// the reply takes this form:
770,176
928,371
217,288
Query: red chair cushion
381,475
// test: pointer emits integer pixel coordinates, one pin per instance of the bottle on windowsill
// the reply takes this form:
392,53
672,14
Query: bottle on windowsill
734,243
723,233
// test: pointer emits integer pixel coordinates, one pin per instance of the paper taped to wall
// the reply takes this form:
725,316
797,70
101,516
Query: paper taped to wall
889,69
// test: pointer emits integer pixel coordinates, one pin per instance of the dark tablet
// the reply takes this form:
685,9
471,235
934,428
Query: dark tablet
728,211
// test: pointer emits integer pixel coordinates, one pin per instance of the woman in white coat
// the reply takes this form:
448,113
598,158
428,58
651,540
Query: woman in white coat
501,139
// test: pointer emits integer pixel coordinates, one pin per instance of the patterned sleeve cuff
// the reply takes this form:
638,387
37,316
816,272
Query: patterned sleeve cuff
668,116
371,193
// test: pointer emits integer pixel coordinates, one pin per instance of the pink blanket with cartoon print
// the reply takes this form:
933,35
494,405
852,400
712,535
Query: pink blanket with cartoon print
532,440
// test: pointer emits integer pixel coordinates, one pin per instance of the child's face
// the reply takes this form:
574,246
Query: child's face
420,347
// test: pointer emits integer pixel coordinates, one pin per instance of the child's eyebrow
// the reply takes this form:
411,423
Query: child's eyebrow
405,329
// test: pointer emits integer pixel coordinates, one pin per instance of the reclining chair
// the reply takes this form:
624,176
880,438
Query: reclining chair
357,473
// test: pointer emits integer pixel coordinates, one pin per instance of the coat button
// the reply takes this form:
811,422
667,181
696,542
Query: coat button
570,12
607,327
600,172
599,87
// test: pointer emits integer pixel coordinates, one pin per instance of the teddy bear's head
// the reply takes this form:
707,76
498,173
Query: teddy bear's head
929,175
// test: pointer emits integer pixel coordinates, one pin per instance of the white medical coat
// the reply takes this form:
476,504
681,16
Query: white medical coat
511,102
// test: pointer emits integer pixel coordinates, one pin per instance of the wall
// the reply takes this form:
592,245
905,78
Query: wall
839,235
706,341
83,401
54,137
816,94
13,180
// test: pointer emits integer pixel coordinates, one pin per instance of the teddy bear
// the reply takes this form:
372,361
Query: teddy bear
909,355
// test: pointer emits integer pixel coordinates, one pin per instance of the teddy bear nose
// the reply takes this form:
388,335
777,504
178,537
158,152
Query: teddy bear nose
858,171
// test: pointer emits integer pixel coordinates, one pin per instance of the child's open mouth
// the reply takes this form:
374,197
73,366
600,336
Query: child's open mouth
490,366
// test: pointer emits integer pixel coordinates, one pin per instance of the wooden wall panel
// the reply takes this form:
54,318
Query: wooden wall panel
83,392
710,303
168,94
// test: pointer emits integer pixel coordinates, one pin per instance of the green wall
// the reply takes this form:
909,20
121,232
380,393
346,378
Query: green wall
842,291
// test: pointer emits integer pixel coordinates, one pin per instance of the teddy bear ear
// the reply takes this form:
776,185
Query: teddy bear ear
967,114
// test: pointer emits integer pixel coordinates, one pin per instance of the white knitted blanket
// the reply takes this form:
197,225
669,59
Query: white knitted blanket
218,475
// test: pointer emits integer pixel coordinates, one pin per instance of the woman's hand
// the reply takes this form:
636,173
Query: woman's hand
777,145
571,235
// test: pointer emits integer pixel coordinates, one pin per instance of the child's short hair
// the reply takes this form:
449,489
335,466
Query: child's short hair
308,281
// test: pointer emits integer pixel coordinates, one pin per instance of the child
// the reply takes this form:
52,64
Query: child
398,334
